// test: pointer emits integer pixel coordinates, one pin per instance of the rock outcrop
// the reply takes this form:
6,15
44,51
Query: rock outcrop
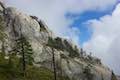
68,57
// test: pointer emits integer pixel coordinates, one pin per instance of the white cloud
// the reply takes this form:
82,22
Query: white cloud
53,11
105,42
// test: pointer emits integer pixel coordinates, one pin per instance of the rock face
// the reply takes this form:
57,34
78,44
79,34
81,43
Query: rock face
68,62
118,77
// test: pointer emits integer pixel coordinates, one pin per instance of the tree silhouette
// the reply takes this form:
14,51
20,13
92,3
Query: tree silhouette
2,34
73,51
24,49
81,52
59,46
113,76
102,77
51,44
55,44
2,5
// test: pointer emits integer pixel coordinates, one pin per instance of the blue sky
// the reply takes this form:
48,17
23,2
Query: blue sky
91,24
79,23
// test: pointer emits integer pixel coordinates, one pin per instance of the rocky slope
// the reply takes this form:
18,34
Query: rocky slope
118,77
70,61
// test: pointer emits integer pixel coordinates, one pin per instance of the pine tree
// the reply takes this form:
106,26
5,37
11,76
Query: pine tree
102,77
73,51
57,44
81,52
24,49
2,5
2,34
113,77
51,43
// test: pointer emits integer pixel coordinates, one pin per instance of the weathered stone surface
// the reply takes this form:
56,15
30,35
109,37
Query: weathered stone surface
1,7
118,77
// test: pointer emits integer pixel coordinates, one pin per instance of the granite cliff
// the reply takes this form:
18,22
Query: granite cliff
70,61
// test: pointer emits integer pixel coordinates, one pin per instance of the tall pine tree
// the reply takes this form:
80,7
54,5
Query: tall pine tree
51,43
2,33
24,49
